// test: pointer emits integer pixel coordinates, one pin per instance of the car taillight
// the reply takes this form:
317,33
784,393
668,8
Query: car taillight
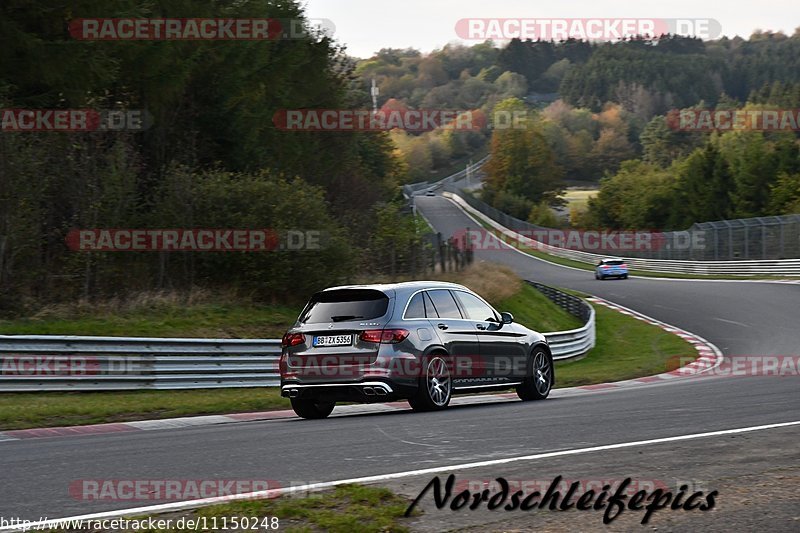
623,265
371,335
605,266
385,336
292,339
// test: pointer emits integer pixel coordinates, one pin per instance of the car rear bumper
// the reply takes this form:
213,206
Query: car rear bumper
613,273
395,367
361,391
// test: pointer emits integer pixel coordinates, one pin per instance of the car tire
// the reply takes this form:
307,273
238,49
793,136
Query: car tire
435,387
624,276
312,409
539,376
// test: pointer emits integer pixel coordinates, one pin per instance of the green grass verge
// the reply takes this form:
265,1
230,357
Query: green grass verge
533,309
579,197
590,268
626,348
345,509
202,320
29,409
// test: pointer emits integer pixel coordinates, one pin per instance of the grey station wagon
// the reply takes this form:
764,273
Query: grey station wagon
418,341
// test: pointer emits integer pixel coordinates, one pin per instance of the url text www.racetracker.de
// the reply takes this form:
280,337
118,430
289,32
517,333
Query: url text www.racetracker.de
152,523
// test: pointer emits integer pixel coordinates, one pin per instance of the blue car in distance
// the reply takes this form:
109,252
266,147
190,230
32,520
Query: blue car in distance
611,268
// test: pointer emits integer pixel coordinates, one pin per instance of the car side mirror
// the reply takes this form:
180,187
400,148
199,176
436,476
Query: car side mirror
506,318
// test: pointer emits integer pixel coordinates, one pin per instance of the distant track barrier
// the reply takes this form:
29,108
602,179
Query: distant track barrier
762,267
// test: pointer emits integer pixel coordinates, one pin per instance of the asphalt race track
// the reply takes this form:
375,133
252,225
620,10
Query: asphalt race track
740,318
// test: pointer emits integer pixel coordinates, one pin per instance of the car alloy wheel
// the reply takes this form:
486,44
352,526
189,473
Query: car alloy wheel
439,382
539,380
542,373
435,388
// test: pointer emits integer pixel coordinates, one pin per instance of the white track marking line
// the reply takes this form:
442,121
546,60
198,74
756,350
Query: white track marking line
179,506
735,323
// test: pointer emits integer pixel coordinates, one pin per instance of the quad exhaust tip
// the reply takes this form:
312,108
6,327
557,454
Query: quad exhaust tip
293,393
374,391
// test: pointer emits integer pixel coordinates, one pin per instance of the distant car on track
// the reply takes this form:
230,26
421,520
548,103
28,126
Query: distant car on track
611,268
430,192
419,341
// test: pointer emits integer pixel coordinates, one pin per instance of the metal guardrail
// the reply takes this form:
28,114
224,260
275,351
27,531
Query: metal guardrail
410,189
575,342
776,267
66,363
31,363
416,189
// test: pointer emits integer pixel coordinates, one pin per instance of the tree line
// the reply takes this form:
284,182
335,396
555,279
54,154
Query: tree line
211,158
578,85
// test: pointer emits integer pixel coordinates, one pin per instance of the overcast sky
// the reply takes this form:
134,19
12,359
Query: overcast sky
366,26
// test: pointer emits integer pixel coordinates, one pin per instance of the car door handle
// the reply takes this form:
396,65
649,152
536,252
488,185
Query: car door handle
480,326
442,326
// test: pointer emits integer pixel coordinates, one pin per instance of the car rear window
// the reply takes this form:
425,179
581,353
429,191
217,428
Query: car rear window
343,305
615,262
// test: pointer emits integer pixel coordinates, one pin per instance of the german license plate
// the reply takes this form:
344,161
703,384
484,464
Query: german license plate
333,340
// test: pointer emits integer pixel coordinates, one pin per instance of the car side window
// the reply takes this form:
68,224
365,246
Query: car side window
416,307
475,308
444,304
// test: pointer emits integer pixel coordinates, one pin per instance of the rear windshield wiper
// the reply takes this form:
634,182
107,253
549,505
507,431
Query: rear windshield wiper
342,318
